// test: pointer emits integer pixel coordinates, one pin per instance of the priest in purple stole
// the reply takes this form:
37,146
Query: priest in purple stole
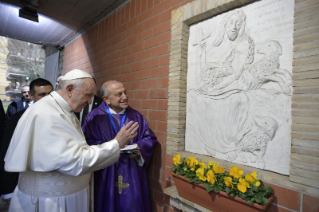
122,186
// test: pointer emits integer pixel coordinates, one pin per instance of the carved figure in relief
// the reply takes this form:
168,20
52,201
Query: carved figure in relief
256,140
267,69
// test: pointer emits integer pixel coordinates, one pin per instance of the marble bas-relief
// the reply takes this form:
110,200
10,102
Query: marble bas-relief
239,86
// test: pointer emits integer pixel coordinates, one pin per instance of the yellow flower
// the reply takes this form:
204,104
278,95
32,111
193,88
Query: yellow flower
217,169
252,179
200,174
210,163
211,177
236,172
192,169
177,160
229,182
242,185
191,161
185,169
202,165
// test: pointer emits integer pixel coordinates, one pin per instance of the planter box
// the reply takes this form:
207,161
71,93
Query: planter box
216,202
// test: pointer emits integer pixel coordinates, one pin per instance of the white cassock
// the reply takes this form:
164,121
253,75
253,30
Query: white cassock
49,150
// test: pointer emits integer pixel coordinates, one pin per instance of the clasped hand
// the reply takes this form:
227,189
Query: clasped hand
127,133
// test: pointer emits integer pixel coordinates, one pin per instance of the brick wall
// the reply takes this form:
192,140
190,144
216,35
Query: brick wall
133,45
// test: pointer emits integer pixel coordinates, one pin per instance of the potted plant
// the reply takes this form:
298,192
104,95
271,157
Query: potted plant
213,188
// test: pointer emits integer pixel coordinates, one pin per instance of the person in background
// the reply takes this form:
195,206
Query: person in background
50,152
20,103
39,88
58,82
123,185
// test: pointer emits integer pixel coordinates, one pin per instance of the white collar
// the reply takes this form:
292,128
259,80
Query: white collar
64,105
113,112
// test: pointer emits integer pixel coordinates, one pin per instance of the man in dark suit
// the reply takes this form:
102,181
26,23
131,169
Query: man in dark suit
8,180
96,101
19,103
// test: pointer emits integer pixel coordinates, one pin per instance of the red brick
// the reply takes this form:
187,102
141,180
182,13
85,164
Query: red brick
161,28
158,115
132,23
130,58
121,29
163,82
134,103
149,4
277,208
130,76
161,7
149,83
158,196
152,126
161,136
152,22
132,8
144,113
150,63
164,60
161,126
165,15
142,94
158,94
155,206
157,174
143,35
158,50
137,47
137,66
129,93
286,197
137,29
166,37
143,6
120,62
121,78
145,54
310,203
169,160
125,69
126,51
149,104
132,40
162,104
145,16
168,208
127,12
135,85
154,41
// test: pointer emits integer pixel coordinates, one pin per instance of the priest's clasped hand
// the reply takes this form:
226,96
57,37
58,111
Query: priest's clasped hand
125,135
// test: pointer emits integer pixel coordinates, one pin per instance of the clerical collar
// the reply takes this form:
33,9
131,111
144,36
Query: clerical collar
64,105
113,112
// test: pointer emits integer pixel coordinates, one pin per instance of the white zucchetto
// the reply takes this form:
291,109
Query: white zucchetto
76,74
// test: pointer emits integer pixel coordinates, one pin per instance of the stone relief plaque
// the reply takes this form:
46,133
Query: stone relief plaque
239,86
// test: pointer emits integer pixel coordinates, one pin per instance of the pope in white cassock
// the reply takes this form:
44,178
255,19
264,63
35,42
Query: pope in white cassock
49,150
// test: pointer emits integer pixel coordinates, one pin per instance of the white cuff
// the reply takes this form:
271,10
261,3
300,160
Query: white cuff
7,196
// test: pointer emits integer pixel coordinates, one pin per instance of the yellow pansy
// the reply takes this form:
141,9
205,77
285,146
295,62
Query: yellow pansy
185,169
202,165
191,161
211,177
210,163
242,185
217,169
229,182
192,169
236,172
200,174
252,179
177,160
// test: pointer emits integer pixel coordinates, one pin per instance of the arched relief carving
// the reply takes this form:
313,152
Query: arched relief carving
239,86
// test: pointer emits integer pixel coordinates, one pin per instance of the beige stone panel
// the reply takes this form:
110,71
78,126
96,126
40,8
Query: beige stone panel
305,158
178,82
305,105
305,128
305,39
305,31
306,53
306,98
176,16
306,3
305,90
306,82
306,75
304,173
311,113
307,60
307,67
305,120
177,94
176,135
301,11
306,17
177,113
177,104
306,166
305,151
308,45
305,24
304,181
177,140
174,121
305,136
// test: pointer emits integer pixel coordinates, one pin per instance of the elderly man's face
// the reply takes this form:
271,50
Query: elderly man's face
118,99
26,93
81,96
233,26
41,91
